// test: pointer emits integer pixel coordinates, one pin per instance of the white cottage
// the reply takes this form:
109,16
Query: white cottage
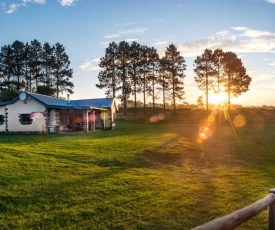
31,112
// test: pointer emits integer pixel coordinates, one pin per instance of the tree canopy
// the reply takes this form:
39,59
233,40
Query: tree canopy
221,72
35,68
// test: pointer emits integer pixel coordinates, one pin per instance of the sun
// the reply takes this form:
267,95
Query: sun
217,98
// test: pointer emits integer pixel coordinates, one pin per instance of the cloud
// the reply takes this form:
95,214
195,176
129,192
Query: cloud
66,2
239,28
125,24
134,31
90,65
112,36
272,63
126,32
12,8
270,1
236,39
253,33
106,43
161,43
35,1
131,39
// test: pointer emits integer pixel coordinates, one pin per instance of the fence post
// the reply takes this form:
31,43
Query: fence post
271,215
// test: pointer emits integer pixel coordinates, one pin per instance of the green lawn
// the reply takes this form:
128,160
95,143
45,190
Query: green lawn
141,175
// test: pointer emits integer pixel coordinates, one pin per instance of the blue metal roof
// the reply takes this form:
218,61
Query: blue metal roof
53,102
50,102
97,103
9,102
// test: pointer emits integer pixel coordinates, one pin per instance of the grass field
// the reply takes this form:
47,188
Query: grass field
142,175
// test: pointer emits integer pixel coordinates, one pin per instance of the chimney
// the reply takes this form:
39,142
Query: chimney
68,98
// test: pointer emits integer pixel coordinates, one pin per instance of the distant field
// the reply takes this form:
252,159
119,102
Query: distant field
162,174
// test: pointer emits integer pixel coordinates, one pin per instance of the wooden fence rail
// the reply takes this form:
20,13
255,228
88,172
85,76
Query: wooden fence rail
234,219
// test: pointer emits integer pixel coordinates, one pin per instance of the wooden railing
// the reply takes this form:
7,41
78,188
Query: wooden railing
234,219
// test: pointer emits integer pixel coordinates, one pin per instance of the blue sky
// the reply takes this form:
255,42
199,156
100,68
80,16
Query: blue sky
85,27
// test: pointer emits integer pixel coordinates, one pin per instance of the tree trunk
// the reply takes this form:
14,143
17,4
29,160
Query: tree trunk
144,95
228,93
153,93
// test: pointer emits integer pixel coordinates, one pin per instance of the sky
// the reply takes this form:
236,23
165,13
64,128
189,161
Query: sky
85,28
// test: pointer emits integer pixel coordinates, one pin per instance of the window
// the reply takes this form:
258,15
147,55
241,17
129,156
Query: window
25,119
2,119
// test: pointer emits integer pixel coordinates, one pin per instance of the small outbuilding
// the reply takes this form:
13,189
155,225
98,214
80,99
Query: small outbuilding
36,113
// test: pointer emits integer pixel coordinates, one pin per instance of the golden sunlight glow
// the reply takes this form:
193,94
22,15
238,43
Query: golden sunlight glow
217,98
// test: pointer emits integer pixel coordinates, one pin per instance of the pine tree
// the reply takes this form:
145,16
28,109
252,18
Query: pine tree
61,70
175,66
123,59
108,77
237,81
134,69
163,81
17,60
204,69
153,59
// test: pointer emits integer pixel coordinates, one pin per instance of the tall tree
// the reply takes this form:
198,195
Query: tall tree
237,81
6,67
108,78
144,75
204,69
35,64
18,52
153,59
47,64
218,76
134,69
175,66
62,72
163,80
123,60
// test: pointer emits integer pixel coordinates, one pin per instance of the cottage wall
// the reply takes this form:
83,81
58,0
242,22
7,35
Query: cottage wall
29,106
112,115
2,112
53,117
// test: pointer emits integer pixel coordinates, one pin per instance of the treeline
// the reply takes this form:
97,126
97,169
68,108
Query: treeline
134,69
34,67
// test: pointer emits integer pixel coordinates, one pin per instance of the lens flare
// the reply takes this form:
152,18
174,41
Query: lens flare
239,121
209,127
156,118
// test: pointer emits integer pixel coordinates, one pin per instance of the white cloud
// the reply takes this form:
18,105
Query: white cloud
66,2
133,31
161,43
105,44
131,39
239,28
253,33
270,1
272,63
125,24
124,33
239,39
112,36
12,8
90,65
35,1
